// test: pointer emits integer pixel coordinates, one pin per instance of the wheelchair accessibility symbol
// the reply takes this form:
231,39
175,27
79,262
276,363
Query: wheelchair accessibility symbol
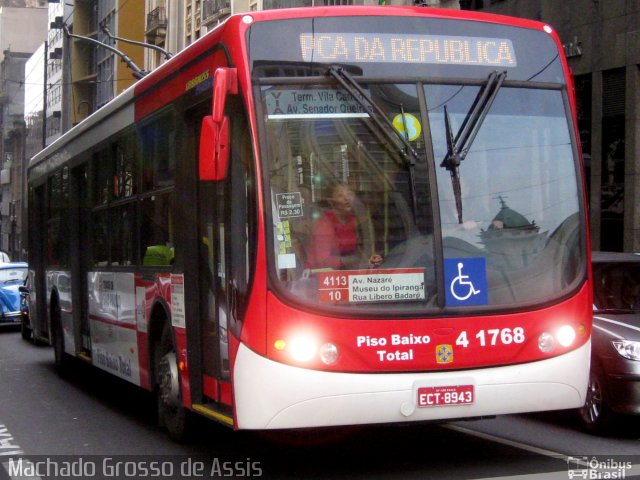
466,281
461,287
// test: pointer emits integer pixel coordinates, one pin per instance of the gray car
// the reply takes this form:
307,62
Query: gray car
614,383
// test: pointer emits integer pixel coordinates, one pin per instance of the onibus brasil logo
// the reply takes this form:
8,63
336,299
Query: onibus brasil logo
595,468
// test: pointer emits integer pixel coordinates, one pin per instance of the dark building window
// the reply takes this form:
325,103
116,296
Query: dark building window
583,85
613,140
471,4
273,4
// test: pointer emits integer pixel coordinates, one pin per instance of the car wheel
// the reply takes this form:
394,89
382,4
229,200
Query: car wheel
595,415
171,413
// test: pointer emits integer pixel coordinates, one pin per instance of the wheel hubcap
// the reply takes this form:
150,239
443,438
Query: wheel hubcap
593,405
169,384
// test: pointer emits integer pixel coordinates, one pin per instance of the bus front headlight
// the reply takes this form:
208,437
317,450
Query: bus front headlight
302,348
329,353
566,335
546,342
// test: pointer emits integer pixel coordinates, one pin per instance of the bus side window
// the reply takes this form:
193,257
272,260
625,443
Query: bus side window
57,212
123,233
100,225
101,186
158,153
156,232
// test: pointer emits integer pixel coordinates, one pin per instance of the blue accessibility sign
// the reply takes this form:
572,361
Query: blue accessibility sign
465,282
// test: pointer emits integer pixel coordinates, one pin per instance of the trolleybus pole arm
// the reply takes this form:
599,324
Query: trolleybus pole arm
107,32
137,71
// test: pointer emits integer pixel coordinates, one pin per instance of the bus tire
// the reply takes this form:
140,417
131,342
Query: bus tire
171,413
61,358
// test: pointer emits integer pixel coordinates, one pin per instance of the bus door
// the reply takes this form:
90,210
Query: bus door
210,266
37,264
212,232
227,226
79,263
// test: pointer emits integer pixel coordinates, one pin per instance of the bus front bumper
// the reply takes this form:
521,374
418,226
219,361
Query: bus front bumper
271,395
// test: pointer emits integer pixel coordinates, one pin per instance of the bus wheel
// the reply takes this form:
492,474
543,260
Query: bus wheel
171,414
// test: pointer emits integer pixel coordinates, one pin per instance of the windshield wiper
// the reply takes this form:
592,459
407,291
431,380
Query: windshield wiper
379,118
458,147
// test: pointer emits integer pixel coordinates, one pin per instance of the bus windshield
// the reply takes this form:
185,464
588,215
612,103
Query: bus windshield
343,195
418,194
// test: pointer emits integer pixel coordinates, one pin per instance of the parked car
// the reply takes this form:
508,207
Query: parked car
12,304
614,381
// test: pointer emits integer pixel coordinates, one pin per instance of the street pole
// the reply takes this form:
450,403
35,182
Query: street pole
44,94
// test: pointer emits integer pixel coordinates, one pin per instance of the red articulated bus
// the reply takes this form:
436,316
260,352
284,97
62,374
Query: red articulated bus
326,216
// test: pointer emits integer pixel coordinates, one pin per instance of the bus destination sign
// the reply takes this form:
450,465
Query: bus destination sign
404,48
306,103
381,285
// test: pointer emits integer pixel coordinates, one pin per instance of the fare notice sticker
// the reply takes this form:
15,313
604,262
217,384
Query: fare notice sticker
380,285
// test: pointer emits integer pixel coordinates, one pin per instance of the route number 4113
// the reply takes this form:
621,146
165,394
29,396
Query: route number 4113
494,336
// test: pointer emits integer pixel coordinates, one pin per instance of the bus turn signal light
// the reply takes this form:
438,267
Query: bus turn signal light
582,330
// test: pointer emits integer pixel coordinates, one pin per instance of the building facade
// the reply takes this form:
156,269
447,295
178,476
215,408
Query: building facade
12,128
22,30
602,42
55,79
96,74
164,28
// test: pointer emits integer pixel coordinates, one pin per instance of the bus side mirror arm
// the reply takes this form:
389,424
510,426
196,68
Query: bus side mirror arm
214,149
225,82
214,134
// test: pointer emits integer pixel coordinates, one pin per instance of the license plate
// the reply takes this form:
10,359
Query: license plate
445,395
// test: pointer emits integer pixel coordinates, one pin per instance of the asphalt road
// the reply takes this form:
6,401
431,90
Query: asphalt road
105,428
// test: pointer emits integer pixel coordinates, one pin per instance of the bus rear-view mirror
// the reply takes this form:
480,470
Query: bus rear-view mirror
214,148
214,136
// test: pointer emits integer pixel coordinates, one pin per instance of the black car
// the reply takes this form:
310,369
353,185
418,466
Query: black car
614,382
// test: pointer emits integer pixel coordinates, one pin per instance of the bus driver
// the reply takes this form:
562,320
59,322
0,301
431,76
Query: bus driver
335,238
